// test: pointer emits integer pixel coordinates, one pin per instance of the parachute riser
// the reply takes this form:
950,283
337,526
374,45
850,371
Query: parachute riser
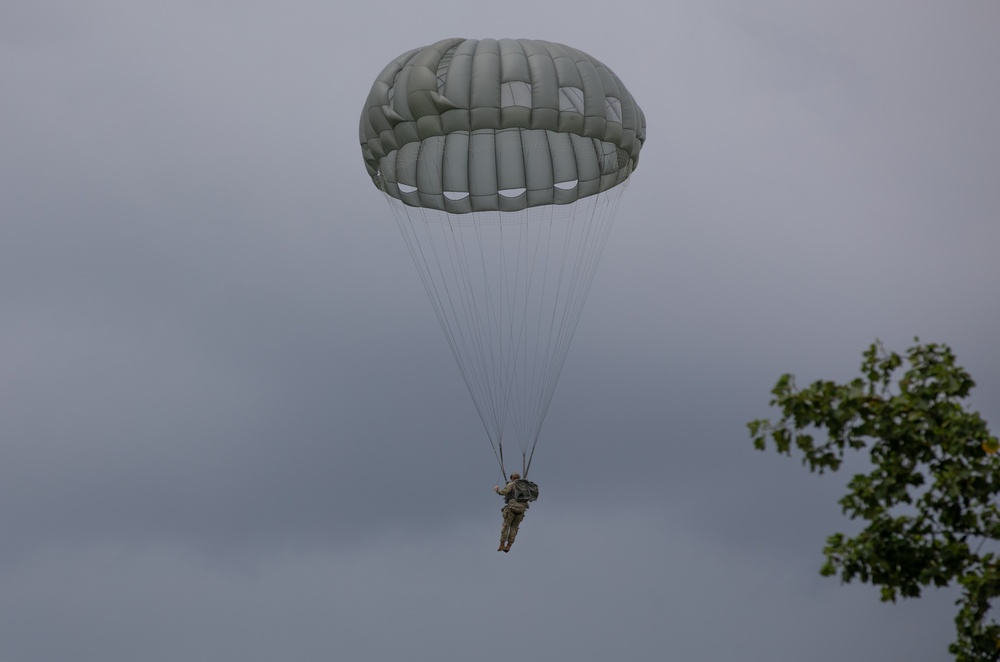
525,464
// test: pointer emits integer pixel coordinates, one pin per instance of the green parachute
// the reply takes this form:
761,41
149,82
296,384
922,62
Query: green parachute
504,162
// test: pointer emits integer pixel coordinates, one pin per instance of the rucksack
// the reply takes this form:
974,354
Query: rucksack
524,491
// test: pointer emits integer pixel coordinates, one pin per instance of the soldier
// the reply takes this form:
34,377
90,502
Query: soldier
513,512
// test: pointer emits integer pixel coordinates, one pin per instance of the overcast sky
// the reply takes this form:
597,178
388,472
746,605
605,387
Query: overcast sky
223,389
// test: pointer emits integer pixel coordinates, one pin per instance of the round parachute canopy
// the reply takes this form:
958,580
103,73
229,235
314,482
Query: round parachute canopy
469,125
503,162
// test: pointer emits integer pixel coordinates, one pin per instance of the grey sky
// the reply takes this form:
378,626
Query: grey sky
223,388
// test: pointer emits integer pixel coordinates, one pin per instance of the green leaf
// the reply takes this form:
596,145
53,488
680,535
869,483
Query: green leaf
928,499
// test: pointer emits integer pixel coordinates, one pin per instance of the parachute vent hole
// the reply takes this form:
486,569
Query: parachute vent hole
442,68
515,93
613,111
567,186
571,99
613,159
623,158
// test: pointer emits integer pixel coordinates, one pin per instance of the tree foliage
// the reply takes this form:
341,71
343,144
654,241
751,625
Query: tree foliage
929,500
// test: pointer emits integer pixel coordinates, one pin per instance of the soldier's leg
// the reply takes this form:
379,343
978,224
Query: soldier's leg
505,528
515,523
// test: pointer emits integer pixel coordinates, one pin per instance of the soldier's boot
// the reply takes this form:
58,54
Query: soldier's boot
501,547
510,541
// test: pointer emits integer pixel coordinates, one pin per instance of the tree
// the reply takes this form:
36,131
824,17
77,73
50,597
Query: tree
929,501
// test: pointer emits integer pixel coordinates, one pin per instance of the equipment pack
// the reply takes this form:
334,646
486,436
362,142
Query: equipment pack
525,490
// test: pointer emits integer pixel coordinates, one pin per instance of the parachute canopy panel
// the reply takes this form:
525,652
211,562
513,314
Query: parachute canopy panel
468,125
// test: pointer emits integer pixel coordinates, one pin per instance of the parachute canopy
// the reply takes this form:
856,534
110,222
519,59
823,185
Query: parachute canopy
503,162
467,125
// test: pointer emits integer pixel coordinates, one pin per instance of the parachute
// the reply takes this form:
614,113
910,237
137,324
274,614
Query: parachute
504,162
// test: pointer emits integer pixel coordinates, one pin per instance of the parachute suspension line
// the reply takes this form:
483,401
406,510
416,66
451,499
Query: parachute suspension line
487,330
519,319
508,290
547,365
538,372
513,292
497,308
478,358
550,361
494,385
478,331
408,219
520,287
596,231
602,218
532,408
478,363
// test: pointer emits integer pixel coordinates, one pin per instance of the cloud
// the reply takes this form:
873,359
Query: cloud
228,409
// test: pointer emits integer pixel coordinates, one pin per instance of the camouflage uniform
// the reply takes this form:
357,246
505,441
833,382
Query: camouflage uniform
513,513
